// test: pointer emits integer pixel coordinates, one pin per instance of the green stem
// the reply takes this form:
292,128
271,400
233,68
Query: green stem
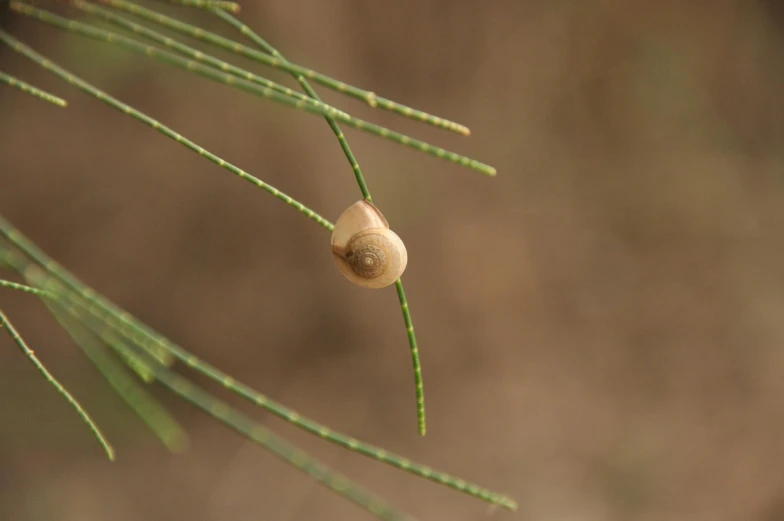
229,79
352,161
26,289
33,91
418,382
368,97
134,332
254,431
151,412
17,252
233,7
127,109
412,344
191,52
17,338
138,335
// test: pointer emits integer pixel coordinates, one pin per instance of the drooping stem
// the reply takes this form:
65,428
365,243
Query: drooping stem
136,337
163,129
418,381
19,341
33,91
151,412
352,161
229,79
130,330
237,421
367,96
189,51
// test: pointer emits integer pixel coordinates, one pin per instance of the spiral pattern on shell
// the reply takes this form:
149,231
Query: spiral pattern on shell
367,255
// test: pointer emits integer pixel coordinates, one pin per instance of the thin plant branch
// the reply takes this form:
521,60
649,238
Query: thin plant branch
193,53
19,341
108,334
367,96
232,7
91,330
232,80
67,289
408,321
416,363
32,91
127,109
141,402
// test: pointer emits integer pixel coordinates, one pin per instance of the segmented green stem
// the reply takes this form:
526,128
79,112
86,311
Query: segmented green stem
367,96
233,7
419,387
195,54
234,81
33,91
103,330
412,343
127,109
418,382
151,412
19,341
238,78
11,257
250,429
23,288
139,335
352,161
134,332
285,451
14,257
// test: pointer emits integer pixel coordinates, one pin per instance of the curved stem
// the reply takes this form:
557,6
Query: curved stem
365,95
163,129
17,338
234,419
418,383
211,73
244,29
69,290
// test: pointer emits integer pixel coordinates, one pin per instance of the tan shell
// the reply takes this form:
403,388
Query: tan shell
365,250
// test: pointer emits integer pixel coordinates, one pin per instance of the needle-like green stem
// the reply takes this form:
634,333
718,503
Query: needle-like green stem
19,341
96,323
352,161
234,419
418,381
367,96
24,288
33,91
192,53
129,328
230,79
168,132
233,7
151,412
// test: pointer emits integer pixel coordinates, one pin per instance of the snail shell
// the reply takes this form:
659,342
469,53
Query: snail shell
365,250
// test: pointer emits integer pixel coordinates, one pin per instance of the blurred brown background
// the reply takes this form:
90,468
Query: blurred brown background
600,325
